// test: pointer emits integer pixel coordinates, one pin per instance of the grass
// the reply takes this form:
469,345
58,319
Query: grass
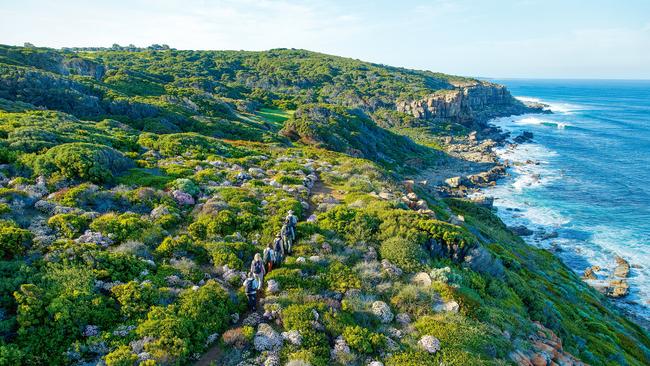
275,116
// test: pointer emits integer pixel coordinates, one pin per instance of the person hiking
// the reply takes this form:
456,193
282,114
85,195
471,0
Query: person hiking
291,221
268,257
279,250
285,234
258,270
250,288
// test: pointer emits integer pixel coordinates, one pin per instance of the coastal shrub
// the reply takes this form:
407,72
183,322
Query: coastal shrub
463,337
414,300
355,225
339,277
191,144
413,358
135,298
406,254
232,254
182,246
13,240
120,227
76,196
183,328
84,161
362,340
185,185
122,356
68,225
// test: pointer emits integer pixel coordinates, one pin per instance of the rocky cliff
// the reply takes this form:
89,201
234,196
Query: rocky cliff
467,104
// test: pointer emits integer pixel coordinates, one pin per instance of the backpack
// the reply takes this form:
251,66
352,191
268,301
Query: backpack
278,245
257,267
250,286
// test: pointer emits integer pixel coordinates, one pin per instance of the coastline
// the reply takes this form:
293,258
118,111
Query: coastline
493,147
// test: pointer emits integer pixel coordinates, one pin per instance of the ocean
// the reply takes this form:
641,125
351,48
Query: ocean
587,177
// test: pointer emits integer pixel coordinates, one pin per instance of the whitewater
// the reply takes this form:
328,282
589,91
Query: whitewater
582,184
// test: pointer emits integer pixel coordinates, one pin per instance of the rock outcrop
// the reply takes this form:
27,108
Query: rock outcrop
466,104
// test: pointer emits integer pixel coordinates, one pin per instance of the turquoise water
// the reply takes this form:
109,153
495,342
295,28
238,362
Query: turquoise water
590,180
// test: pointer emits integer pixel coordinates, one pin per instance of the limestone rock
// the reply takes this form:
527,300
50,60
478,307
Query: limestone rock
449,306
521,230
429,343
293,337
182,198
341,350
267,339
382,311
622,269
422,279
95,238
272,287
403,318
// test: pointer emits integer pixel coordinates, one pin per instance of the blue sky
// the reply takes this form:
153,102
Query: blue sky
497,38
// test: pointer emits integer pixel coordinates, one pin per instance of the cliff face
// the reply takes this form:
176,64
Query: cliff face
466,104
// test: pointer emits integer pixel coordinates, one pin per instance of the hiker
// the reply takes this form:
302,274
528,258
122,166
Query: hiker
291,221
257,268
250,287
285,234
268,257
279,250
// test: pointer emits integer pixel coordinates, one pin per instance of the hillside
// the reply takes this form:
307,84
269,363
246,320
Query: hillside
137,185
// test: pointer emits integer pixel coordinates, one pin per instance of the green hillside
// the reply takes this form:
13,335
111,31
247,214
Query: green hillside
136,187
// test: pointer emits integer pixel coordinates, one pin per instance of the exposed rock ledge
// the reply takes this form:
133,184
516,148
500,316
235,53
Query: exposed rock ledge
475,103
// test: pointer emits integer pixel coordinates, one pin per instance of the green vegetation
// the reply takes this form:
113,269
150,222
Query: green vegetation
136,185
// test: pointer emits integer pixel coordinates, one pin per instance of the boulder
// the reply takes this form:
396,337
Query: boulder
521,230
403,318
267,339
95,238
525,136
293,337
454,182
429,343
622,269
449,306
618,288
272,287
341,350
182,198
382,311
421,279
590,273
91,331
159,212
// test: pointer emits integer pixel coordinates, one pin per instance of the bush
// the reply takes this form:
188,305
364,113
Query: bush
122,356
406,254
13,240
185,185
413,358
353,224
463,339
122,227
135,298
341,278
362,340
68,225
83,161
183,328
182,246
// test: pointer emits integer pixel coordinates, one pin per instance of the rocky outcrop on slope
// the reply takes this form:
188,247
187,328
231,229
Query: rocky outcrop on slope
467,104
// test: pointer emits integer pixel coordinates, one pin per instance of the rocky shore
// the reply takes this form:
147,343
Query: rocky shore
479,147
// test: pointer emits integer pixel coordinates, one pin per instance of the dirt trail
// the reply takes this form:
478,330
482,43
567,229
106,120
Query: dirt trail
214,355
321,188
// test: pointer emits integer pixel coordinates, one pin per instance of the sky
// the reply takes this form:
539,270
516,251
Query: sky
484,38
